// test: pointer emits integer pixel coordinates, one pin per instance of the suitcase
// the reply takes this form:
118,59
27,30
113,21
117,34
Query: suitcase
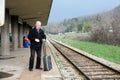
47,63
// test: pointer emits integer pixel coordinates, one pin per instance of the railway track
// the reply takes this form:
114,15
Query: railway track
67,70
90,68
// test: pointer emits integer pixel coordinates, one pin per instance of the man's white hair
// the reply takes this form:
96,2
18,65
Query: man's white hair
38,22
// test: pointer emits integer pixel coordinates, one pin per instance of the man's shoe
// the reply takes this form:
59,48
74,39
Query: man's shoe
30,69
39,68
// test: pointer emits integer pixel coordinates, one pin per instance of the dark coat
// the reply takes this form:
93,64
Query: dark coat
34,34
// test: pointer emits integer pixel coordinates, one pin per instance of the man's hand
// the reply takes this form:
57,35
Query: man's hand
43,40
37,40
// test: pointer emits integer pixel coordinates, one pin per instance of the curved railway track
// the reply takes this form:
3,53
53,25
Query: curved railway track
90,68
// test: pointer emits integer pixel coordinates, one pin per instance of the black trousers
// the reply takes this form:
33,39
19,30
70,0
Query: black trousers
38,59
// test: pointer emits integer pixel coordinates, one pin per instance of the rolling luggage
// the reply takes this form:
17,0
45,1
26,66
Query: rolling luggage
46,59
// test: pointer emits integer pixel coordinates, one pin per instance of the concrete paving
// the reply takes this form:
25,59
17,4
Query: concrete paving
18,66
15,65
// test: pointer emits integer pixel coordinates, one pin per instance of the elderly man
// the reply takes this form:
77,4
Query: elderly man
35,36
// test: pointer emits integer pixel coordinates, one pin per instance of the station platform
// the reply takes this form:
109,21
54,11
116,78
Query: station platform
16,67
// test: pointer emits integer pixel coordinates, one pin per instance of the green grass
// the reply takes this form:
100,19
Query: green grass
108,52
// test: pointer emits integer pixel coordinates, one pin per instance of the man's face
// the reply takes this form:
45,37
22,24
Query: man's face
38,26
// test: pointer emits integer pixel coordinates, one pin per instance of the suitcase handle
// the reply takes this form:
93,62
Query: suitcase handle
44,48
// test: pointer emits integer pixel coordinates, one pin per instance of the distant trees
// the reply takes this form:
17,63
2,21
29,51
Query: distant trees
86,26
79,27
99,30
82,24
106,28
54,28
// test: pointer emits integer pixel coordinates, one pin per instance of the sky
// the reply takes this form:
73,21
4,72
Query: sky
65,9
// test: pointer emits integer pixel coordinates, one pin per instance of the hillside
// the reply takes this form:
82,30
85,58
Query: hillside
104,27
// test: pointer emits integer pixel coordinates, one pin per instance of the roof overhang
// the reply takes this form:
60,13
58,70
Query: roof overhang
30,11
